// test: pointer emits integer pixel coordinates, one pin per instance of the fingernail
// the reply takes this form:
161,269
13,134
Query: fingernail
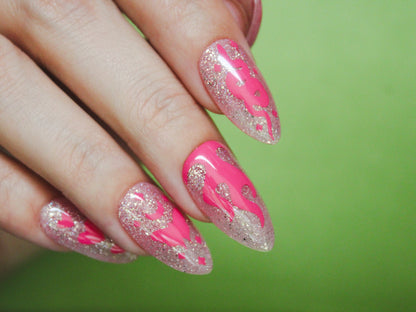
163,231
226,195
64,224
239,90
248,15
257,13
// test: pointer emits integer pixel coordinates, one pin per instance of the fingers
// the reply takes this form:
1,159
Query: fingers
122,80
206,48
55,226
79,158
118,75
139,97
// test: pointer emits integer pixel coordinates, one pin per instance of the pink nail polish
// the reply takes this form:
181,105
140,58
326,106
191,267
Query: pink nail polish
226,195
239,90
163,231
64,224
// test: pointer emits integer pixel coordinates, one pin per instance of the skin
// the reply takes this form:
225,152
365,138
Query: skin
149,95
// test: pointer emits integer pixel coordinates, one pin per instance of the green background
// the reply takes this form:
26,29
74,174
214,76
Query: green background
340,185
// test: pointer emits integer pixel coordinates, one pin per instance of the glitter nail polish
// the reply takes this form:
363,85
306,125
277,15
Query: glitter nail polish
226,195
237,87
65,225
163,231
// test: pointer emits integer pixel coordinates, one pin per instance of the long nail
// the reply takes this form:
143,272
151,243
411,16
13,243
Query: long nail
248,15
239,90
226,195
64,224
257,13
163,231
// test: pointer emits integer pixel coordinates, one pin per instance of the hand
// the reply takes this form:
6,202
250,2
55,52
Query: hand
106,98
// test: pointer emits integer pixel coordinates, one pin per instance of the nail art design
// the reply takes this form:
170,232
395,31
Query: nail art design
239,90
161,229
226,195
64,224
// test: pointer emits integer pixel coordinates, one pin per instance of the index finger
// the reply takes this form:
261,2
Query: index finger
207,50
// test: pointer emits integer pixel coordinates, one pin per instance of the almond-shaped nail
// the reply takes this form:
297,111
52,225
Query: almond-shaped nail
163,231
237,87
225,194
64,224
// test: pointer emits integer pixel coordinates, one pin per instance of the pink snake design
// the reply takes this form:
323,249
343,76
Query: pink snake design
244,87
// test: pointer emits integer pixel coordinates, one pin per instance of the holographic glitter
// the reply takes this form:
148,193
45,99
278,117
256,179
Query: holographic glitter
163,231
65,225
226,195
239,90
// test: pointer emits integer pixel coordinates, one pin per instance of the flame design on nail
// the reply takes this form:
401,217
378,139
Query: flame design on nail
245,87
220,172
91,236
175,233
64,224
162,230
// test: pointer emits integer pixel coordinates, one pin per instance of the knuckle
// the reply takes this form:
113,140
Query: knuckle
8,54
9,186
158,108
10,71
51,12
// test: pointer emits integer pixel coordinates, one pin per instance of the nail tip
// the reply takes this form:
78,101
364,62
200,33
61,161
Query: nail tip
194,264
263,242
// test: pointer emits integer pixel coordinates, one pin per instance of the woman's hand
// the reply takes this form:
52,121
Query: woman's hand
74,140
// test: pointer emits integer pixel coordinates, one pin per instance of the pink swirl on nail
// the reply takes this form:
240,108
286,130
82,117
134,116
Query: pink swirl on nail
245,87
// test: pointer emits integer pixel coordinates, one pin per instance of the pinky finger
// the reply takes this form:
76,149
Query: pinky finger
34,211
